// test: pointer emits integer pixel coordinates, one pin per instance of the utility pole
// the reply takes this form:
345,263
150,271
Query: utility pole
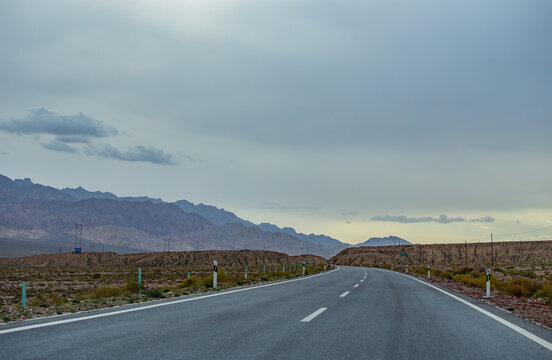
466,252
492,251
78,239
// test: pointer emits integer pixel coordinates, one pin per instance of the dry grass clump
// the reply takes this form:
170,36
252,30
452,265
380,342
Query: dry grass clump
106,292
545,293
525,285
522,287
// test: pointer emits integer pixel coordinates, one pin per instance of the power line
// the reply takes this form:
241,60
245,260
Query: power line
526,232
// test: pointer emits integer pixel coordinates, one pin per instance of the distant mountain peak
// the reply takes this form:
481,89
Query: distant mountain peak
384,241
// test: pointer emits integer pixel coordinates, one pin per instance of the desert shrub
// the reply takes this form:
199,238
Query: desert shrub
57,300
154,293
463,270
192,282
522,287
499,269
132,286
545,292
447,275
208,281
39,301
524,273
436,272
418,270
106,292
469,279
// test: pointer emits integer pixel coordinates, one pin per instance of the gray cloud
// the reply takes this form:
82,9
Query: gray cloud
59,146
43,121
137,153
442,219
73,139
485,219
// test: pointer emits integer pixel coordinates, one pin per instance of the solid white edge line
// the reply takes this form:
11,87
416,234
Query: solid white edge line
356,285
66,321
344,294
314,314
516,328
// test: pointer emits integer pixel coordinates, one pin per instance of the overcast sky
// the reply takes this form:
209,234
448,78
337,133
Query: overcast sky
430,120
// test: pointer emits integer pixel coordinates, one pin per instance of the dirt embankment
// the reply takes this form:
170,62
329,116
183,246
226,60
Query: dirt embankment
193,259
472,254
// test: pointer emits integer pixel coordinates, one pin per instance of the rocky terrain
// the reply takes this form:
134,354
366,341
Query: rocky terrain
186,259
75,282
470,254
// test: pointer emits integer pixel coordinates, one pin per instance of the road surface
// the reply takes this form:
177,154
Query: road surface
350,313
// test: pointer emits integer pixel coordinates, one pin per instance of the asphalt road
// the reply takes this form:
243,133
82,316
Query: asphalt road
387,316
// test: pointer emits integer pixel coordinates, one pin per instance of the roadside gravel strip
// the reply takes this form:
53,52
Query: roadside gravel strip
146,307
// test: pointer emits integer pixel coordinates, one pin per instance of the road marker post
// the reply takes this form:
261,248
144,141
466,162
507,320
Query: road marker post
324,267
284,268
24,294
246,272
188,274
428,273
215,274
303,268
264,269
407,268
139,280
391,267
488,283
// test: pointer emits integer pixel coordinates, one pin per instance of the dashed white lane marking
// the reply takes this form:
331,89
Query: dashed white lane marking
314,314
95,316
516,328
356,285
344,294
362,280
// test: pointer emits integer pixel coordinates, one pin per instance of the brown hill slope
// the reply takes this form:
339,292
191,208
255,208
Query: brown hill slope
472,254
199,259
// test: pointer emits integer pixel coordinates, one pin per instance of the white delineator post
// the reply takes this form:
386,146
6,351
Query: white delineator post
488,283
303,268
407,268
215,274
428,272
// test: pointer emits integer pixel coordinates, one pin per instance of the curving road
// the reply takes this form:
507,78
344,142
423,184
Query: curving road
350,313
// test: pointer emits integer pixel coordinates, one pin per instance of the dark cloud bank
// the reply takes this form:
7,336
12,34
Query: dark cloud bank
81,129
42,121
137,153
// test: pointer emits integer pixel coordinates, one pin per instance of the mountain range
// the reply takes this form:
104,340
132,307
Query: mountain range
40,217
43,216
